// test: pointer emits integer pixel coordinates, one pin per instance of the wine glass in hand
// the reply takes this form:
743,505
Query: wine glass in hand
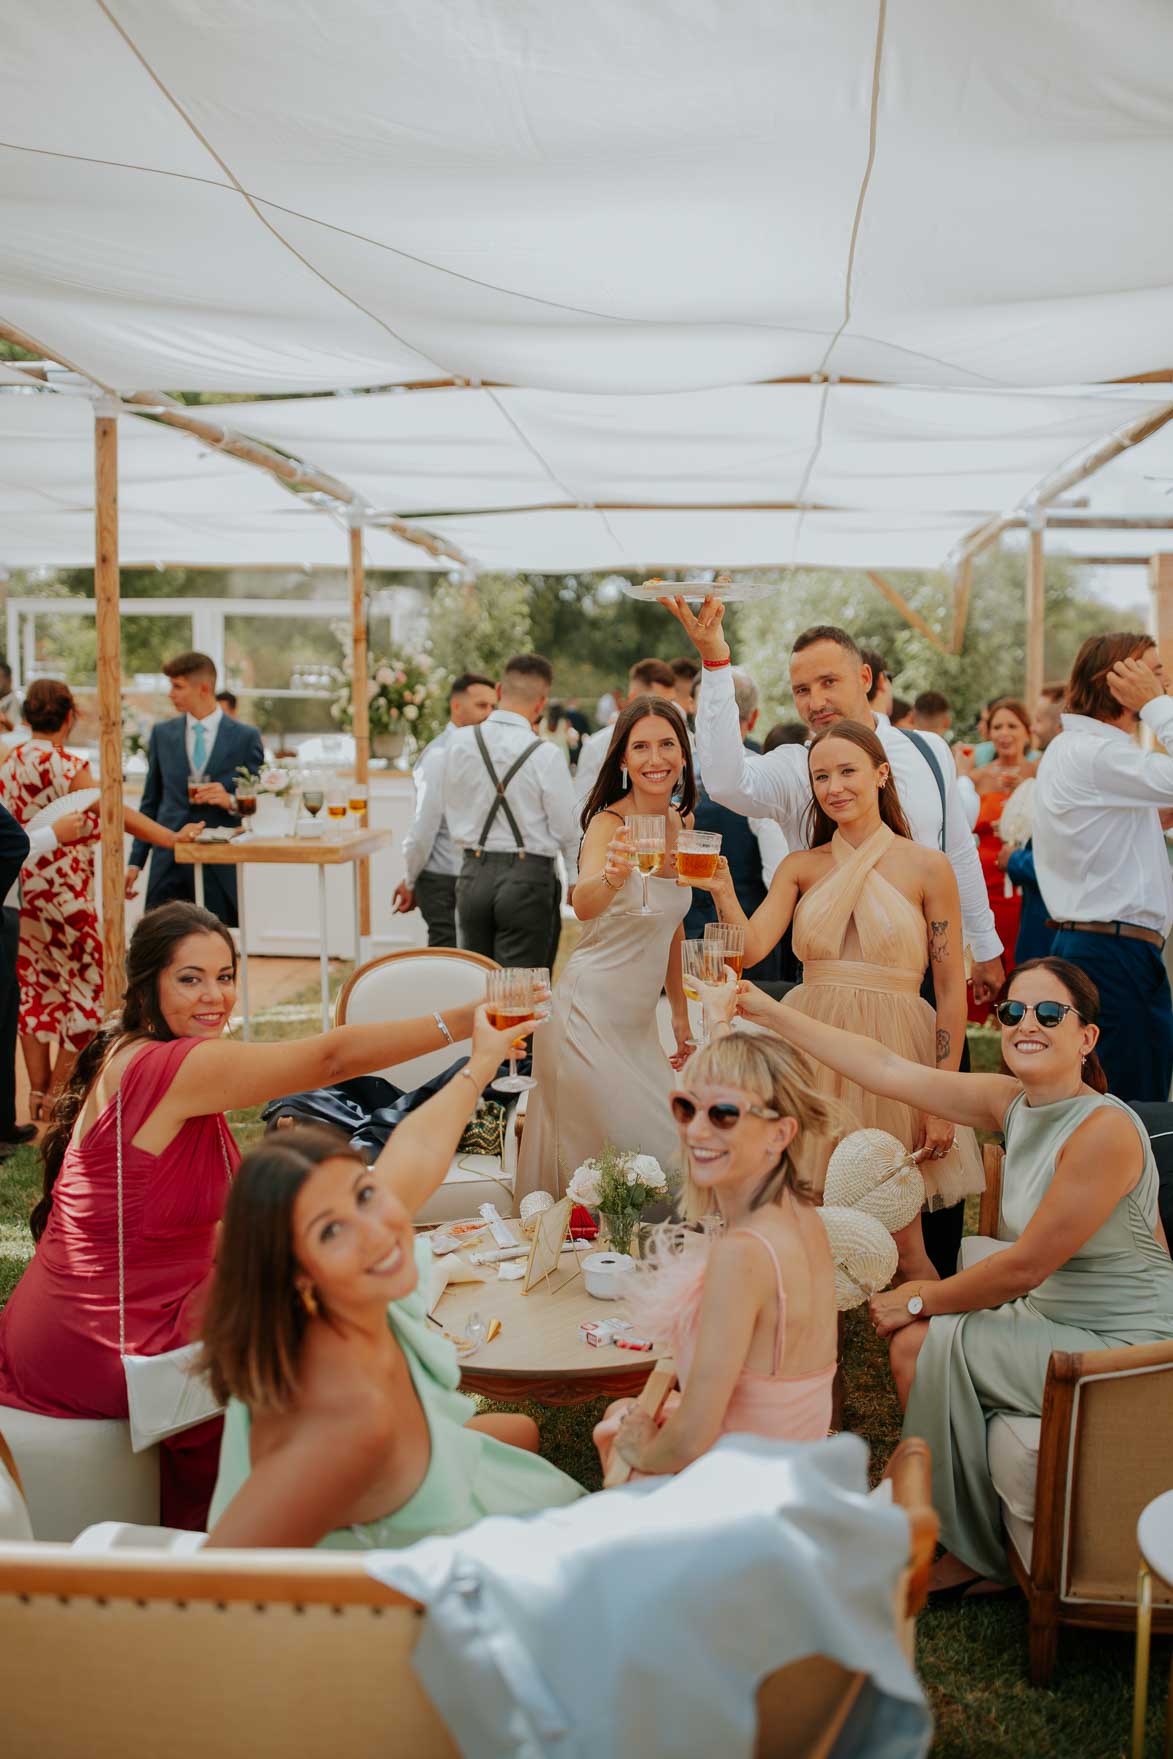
648,839
511,1002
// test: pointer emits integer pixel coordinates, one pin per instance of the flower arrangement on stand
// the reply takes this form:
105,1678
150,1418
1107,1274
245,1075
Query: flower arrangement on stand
620,1184
407,700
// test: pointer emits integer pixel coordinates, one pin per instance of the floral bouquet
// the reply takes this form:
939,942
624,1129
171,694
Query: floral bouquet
406,693
620,1184
273,779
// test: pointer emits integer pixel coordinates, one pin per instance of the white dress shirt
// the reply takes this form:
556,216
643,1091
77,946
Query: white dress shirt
777,784
591,753
1098,845
440,854
211,725
540,796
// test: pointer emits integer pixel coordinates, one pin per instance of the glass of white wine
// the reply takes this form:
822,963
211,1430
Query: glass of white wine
511,1000
700,963
648,841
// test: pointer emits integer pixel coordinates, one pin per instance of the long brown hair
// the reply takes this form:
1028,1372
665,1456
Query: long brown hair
255,1320
820,827
1084,998
609,786
1087,687
152,947
1013,707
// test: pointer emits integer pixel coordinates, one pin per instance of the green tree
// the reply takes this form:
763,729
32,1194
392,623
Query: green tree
475,626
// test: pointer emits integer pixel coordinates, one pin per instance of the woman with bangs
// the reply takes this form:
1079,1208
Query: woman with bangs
870,910
601,1072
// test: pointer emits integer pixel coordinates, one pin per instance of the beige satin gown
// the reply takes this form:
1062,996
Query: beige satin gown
864,948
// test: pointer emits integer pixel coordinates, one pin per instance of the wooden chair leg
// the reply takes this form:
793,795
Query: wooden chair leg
1140,1682
1043,1640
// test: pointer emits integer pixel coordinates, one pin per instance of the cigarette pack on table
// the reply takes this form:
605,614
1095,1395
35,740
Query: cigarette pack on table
597,1333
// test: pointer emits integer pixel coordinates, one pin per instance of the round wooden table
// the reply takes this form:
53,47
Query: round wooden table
538,1353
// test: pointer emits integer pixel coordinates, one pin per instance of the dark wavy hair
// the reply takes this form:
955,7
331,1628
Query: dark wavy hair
255,1320
1083,996
820,827
152,948
609,786
1087,687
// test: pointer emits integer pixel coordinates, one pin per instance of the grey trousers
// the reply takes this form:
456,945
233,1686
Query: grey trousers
435,896
507,908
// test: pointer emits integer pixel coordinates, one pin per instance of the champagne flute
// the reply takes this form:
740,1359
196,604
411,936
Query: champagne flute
697,854
700,963
730,938
649,843
511,1000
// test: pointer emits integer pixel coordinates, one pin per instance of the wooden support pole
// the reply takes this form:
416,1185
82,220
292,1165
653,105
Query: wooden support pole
1161,589
962,587
109,642
1036,580
901,604
362,722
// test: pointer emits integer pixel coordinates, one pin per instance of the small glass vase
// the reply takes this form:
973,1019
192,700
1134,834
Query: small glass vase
620,1225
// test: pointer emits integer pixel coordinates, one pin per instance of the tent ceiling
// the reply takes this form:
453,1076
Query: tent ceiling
608,198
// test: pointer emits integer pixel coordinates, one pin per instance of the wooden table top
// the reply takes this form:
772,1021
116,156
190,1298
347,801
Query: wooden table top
297,851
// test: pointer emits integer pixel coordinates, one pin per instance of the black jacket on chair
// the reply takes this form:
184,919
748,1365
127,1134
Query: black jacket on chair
237,746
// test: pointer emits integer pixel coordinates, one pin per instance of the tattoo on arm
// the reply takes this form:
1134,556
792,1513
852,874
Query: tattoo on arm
944,1044
938,941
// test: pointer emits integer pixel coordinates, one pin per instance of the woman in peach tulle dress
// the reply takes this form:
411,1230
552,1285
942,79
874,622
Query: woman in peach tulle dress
870,908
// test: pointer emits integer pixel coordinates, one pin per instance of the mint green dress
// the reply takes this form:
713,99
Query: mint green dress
1117,1289
469,1474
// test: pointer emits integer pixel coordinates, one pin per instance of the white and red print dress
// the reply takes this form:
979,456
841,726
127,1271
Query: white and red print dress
59,966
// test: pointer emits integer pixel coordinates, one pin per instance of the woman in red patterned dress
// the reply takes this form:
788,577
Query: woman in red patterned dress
59,965
1009,728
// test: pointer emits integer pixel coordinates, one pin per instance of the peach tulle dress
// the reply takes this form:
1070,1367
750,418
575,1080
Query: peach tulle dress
864,950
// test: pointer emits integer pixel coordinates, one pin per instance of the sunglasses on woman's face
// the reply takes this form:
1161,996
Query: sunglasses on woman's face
722,1114
1048,1014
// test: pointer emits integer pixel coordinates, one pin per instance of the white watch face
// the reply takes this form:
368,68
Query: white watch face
915,1305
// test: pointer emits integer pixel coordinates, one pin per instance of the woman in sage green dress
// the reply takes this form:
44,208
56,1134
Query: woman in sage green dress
1088,1267
345,1427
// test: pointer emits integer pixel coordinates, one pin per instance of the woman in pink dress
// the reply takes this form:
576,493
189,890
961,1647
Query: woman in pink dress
168,1064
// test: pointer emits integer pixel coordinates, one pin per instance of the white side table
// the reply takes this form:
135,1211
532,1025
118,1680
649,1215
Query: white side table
1154,1536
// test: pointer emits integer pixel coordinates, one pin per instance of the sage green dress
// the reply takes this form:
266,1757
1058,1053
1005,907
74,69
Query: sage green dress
469,1474
1117,1289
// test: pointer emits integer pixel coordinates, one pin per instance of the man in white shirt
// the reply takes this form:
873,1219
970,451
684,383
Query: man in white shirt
1099,848
646,678
508,800
430,868
830,680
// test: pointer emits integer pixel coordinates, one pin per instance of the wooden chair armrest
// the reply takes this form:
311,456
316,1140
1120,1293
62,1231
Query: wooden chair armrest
656,1388
9,1464
910,1473
989,1214
297,1578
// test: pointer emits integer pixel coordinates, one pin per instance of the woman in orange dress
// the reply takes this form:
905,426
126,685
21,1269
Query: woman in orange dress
1009,728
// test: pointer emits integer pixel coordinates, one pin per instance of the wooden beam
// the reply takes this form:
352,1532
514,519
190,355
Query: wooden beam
1161,589
361,706
109,707
901,604
962,587
1035,612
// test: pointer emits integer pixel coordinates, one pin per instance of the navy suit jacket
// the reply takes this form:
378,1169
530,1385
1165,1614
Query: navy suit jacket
14,848
237,746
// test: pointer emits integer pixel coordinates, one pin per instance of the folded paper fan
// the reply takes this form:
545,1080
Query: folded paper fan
871,1171
864,1252
79,801
1016,823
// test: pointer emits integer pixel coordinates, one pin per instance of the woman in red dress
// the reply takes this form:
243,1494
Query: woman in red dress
1009,730
167,1062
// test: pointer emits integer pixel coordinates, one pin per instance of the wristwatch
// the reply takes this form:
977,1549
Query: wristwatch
916,1305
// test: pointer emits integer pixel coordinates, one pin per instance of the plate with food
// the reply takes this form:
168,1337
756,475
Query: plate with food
694,589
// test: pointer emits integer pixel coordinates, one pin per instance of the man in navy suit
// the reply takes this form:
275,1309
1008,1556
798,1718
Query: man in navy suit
202,741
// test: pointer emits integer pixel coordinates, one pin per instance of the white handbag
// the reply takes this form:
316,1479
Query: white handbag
164,1394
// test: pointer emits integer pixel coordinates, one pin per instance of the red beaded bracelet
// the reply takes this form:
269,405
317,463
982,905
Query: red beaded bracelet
717,665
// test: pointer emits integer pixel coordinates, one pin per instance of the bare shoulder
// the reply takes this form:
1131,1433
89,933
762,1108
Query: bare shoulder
804,866
737,1261
932,865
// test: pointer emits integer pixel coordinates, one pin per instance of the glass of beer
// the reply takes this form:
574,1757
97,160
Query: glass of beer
700,963
729,938
246,803
511,1001
356,801
697,854
335,809
196,779
648,841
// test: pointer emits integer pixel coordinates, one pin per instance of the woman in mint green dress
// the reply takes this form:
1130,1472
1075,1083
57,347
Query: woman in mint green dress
345,1427
1088,1267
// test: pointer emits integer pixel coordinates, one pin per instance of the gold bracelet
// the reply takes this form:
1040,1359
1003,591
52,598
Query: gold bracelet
608,884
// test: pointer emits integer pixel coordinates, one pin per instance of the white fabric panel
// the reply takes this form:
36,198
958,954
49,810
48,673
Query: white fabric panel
66,540
622,197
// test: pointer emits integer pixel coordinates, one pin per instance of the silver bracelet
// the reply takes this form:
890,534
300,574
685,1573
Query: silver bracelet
469,1076
440,1022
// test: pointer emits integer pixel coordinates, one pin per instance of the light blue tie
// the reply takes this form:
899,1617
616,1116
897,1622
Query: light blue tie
199,749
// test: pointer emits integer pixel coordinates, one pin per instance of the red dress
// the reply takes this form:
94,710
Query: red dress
1007,910
59,1350
59,965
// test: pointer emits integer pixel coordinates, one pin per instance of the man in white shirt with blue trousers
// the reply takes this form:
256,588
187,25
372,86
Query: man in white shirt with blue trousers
431,861
508,800
830,680
1102,805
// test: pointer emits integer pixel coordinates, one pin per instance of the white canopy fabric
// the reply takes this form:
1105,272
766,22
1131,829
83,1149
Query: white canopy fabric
630,196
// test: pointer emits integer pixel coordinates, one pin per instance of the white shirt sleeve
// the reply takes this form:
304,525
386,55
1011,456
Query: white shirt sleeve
590,762
772,846
1121,774
561,808
971,803
977,919
42,841
430,780
771,786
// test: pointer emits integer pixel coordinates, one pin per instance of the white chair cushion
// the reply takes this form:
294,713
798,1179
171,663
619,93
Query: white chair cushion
14,1514
1012,1448
107,1536
402,987
975,1247
471,1180
76,1471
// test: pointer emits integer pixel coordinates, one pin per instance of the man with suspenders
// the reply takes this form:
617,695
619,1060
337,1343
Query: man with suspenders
830,681
508,800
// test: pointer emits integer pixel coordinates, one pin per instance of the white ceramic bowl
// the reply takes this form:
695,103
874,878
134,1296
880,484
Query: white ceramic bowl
603,1273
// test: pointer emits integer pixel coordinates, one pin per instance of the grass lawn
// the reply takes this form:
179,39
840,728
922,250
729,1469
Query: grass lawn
972,1659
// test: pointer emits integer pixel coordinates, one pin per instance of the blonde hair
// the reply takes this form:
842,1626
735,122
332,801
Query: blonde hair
781,1078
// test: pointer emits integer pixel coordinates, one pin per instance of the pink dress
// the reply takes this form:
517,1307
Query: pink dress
59,1351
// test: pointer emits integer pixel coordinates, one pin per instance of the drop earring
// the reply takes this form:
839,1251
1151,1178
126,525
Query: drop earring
623,773
309,1301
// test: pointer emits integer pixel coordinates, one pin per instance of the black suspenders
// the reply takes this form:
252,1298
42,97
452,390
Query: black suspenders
500,783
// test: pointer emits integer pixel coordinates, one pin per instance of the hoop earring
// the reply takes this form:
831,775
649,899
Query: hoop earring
309,1301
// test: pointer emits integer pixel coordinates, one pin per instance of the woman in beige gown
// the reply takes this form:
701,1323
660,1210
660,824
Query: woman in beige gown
870,909
602,1075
